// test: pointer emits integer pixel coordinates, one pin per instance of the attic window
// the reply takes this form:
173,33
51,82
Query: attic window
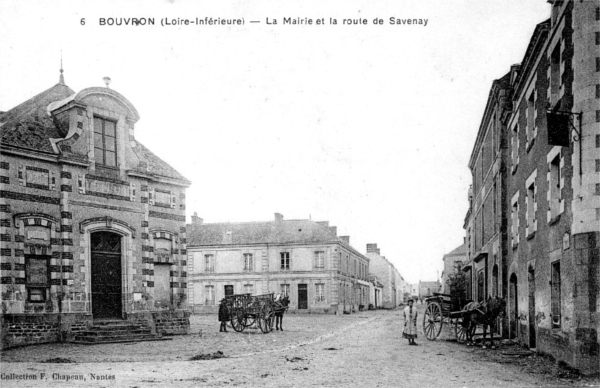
299,230
105,142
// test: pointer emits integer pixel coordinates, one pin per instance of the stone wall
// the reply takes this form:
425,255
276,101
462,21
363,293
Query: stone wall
24,329
167,322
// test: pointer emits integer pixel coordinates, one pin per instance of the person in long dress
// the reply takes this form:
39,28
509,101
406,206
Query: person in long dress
410,323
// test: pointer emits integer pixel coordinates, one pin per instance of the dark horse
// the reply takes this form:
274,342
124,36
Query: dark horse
485,314
280,309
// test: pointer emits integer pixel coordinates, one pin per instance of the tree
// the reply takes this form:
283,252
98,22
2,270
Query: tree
458,288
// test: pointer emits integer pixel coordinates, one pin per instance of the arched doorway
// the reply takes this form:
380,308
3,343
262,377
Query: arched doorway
514,306
106,279
532,323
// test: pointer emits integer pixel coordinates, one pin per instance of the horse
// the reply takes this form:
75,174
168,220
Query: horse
280,309
485,314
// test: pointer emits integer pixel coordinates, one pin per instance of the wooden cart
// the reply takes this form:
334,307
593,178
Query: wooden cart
251,311
443,308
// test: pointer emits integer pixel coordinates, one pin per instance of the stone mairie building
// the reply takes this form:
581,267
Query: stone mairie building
92,224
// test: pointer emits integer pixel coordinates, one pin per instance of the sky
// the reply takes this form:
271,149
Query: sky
369,127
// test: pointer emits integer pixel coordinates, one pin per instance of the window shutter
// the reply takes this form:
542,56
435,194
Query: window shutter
132,192
173,200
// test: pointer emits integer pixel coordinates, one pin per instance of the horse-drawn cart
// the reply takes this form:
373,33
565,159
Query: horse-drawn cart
465,316
251,311
443,308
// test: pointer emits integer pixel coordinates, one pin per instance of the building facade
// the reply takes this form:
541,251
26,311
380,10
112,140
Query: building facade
387,274
486,239
547,256
427,288
554,188
92,222
303,259
453,262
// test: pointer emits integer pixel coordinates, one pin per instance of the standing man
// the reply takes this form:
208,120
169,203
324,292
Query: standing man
223,316
410,323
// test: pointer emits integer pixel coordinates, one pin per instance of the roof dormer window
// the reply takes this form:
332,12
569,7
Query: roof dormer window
105,142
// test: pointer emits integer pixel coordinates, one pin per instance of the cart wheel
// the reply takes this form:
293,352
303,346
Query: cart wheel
238,321
432,320
265,318
459,331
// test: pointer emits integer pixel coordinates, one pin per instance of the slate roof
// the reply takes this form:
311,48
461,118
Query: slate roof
268,232
28,126
459,251
156,165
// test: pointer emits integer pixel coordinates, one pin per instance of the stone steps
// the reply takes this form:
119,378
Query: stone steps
108,332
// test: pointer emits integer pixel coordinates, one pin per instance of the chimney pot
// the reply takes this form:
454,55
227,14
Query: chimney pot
278,217
196,220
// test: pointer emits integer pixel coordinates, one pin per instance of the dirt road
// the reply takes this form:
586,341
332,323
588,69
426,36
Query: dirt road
365,349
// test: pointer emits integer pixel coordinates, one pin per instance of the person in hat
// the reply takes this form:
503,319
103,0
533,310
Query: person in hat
410,323
223,315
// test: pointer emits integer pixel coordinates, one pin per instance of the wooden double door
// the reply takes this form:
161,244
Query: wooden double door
106,275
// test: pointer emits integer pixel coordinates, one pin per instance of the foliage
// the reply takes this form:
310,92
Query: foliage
458,285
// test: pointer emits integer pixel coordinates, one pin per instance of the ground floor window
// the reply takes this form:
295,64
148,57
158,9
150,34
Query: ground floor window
248,289
320,292
209,292
37,278
285,289
555,295
228,290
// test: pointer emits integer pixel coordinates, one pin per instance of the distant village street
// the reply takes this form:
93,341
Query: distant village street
363,349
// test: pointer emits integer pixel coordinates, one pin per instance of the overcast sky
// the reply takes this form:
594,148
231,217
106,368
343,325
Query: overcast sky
367,127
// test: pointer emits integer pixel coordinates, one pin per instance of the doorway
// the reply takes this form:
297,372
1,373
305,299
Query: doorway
162,285
302,297
514,304
532,322
106,275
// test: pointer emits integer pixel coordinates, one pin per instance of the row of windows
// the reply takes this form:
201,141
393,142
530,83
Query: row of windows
555,183
210,296
248,261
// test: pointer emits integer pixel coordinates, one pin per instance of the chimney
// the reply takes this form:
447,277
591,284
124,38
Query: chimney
372,248
196,220
278,217
345,239
333,230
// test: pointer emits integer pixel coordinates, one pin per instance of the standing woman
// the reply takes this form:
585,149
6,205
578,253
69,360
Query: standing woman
410,323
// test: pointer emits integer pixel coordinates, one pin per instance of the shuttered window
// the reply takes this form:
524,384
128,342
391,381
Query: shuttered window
555,295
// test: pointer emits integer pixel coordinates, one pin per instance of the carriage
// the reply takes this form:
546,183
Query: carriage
444,309
252,311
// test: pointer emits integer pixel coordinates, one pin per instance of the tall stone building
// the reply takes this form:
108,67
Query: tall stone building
303,259
92,223
550,273
486,245
554,188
